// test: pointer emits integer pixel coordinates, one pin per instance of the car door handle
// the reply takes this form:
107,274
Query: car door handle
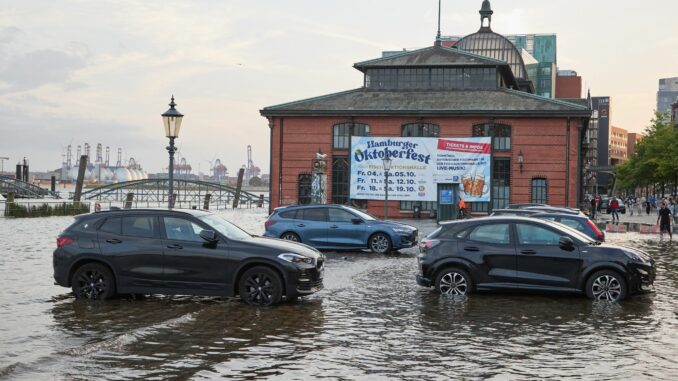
529,252
334,227
301,225
471,248
175,246
113,241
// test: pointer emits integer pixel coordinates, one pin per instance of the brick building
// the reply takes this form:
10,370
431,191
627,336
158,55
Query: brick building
618,143
634,138
437,92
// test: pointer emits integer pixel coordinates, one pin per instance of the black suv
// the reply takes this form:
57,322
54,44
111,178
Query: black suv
520,253
181,253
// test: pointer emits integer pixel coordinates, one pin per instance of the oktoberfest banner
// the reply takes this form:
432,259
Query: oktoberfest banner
418,165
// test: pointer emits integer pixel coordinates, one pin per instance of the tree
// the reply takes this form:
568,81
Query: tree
655,162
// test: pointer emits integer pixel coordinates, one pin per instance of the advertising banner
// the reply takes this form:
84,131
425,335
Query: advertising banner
418,165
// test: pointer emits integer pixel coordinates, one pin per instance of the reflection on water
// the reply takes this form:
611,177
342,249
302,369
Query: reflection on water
371,322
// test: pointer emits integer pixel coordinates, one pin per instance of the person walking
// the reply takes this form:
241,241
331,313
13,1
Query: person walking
593,208
664,221
647,206
462,209
614,205
630,205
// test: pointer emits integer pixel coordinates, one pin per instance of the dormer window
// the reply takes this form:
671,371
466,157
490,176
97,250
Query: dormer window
432,78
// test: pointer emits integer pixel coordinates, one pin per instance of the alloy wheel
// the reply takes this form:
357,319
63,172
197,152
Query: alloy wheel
453,283
290,237
91,284
259,289
380,244
606,287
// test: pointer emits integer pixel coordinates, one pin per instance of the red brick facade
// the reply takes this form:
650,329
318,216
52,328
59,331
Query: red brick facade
542,141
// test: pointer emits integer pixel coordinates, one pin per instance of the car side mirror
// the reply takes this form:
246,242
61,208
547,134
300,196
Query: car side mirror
208,235
566,243
357,221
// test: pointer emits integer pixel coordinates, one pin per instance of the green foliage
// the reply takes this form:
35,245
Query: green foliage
45,210
656,158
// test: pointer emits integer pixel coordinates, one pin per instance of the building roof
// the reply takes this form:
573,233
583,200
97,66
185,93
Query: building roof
364,101
487,43
430,56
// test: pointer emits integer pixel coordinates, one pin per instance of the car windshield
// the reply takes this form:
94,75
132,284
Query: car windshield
361,214
572,231
224,227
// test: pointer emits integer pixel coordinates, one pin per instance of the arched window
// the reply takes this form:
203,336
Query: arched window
304,181
539,191
425,130
343,131
500,134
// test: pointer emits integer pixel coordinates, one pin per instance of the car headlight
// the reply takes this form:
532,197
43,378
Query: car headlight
633,256
296,258
402,230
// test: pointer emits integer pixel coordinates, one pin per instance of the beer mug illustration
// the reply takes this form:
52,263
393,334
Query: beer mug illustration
479,187
467,184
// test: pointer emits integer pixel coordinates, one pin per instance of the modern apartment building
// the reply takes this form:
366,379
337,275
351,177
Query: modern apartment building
667,94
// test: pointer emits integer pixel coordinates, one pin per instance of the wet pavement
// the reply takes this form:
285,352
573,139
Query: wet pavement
371,322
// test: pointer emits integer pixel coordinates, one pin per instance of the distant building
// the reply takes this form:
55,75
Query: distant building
568,84
617,147
633,140
674,114
667,94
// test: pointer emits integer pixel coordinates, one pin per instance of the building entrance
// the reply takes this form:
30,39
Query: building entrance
447,201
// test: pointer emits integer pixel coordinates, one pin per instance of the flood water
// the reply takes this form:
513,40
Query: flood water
371,322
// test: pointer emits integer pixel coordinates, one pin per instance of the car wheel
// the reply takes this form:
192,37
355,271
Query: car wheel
380,243
606,285
93,281
260,286
454,282
289,236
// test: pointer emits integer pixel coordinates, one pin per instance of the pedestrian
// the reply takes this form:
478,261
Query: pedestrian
664,221
593,208
648,207
462,209
630,204
614,205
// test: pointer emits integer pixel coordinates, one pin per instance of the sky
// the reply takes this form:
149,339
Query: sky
76,71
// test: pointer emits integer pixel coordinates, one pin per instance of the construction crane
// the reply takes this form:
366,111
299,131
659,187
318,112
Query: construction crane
250,170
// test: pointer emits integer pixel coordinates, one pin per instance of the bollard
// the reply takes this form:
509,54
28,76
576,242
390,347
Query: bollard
238,187
206,205
260,203
128,200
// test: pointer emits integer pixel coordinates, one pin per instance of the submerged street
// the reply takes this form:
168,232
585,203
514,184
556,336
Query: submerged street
370,322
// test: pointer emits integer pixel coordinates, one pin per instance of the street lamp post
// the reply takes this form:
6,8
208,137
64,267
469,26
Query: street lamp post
387,167
171,120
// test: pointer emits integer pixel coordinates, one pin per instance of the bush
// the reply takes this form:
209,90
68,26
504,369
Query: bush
45,210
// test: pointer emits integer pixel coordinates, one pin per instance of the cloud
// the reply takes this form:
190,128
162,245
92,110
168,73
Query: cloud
7,34
34,69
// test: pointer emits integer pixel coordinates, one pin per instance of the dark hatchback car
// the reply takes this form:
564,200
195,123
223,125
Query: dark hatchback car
338,227
581,223
520,253
181,253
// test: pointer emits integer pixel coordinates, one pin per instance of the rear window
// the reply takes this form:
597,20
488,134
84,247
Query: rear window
314,214
112,226
288,214
139,226
86,225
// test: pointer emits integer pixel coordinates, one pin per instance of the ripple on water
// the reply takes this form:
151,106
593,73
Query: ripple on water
371,322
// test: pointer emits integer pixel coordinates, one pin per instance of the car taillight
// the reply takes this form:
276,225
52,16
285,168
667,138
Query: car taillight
599,234
429,244
63,241
269,223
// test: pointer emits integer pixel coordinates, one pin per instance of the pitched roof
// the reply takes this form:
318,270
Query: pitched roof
363,101
431,56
